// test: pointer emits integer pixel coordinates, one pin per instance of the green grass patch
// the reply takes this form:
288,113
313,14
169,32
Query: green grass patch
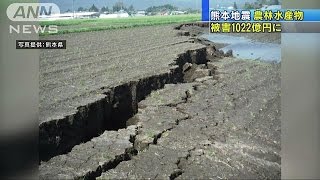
85,25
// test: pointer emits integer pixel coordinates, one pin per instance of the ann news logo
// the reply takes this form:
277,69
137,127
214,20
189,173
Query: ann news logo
31,12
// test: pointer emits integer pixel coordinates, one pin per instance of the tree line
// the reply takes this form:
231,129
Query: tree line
116,7
258,4
130,9
166,7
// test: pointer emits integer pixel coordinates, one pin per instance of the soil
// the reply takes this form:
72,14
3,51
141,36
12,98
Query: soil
158,103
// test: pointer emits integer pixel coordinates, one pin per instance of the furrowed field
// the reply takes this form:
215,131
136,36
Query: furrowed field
85,25
118,101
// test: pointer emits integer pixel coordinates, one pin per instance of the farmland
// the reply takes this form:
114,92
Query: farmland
85,25
155,102
95,64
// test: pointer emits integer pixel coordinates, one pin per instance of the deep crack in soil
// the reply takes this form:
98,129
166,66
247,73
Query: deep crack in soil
181,124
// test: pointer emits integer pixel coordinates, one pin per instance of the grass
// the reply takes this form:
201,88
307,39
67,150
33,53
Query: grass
85,25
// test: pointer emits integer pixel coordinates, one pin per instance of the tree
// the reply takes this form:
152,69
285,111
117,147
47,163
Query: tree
248,6
104,9
131,8
262,2
235,5
80,9
275,2
257,5
93,8
191,11
118,6
156,9
68,10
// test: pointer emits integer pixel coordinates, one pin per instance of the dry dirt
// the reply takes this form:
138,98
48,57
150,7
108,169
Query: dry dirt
153,103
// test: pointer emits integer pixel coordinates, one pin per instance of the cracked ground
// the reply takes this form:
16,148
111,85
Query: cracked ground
227,128
222,122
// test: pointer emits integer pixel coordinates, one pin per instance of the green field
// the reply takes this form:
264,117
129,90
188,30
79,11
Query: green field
85,25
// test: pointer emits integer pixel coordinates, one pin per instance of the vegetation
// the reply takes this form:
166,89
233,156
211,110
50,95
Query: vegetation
80,9
235,5
93,8
191,11
84,25
118,6
155,9
131,10
104,9
276,2
258,4
248,6
269,2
